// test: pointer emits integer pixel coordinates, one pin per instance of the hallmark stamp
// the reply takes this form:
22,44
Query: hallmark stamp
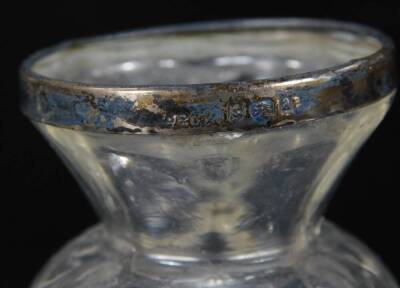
262,111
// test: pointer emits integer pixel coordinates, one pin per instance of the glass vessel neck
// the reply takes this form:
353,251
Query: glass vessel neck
218,196
272,248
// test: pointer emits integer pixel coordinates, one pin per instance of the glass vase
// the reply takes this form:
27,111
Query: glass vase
209,150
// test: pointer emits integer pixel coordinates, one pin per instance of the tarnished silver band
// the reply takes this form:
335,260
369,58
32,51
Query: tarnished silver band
212,107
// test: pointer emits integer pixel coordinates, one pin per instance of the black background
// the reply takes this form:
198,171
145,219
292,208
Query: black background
42,204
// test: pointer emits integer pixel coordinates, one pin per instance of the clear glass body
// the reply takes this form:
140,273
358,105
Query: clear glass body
213,185
225,209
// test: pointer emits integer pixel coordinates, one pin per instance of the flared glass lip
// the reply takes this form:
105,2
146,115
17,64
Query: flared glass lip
211,107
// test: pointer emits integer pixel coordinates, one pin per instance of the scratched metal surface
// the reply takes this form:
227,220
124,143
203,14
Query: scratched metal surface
209,107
